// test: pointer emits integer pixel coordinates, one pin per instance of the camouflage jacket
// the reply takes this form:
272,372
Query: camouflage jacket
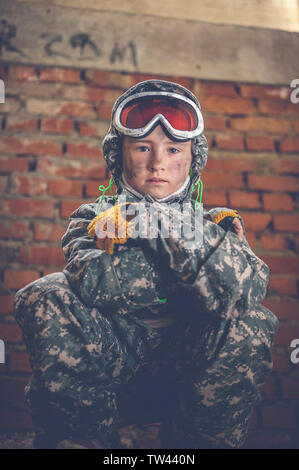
221,278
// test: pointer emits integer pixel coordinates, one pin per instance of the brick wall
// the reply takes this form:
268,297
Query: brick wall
51,162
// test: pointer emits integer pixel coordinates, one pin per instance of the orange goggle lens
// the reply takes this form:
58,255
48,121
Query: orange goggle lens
138,113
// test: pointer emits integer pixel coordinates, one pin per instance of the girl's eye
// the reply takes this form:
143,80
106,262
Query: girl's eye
173,150
143,148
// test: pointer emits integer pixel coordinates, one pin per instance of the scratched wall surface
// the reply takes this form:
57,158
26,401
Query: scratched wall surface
54,35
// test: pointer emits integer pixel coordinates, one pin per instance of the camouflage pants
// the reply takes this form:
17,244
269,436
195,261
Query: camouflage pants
88,369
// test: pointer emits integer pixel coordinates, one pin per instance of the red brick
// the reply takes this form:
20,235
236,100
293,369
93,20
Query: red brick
104,78
17,279
100,77
277,183
30,90
286,165
204,89
6,303
73,168
30,146
19,362
277,202
296,126
28,208
60,75
42,255
251,239
12,390
11,105
57,126
13,164
95,129
269,389
23,73
11,418
261,91
215,122
260,143
253,420
10,333
65,188
214,198
29,186
104,113
102,96
284,310
83,150
219,88
281,362
290,389
3,183
277,107
261,124
68,207
278,416
282,264
286,334
231,164
230,142
256,221
283,286
92,189
55,108
273,242
14,124
216,179
13,229
291,144
227,105
48,232
286,223
244,199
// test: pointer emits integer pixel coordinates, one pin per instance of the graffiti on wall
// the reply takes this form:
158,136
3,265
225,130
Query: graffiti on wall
81,46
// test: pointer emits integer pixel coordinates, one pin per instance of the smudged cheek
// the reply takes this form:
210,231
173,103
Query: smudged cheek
178,170
134,170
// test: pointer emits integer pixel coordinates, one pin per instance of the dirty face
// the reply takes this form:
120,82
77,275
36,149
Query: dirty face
155,164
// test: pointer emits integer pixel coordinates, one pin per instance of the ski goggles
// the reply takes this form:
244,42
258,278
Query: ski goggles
137,115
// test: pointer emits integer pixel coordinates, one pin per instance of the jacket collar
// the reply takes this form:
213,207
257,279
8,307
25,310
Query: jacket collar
181,195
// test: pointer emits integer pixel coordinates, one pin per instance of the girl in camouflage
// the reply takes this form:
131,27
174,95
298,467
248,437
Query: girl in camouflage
149,328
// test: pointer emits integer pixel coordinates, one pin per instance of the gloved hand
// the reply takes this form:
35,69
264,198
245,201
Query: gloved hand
228,219
110,227
181,246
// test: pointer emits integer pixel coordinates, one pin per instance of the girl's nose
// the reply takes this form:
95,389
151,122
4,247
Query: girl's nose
157,160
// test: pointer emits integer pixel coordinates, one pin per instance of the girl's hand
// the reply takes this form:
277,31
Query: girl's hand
238,229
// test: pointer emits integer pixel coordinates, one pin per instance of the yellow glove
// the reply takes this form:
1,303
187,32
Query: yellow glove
117,228
217,217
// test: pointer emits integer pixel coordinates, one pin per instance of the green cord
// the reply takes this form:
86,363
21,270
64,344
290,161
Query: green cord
103,189
163,300
201,189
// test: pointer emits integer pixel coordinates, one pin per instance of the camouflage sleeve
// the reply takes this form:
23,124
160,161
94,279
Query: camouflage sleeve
223,275
126,280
